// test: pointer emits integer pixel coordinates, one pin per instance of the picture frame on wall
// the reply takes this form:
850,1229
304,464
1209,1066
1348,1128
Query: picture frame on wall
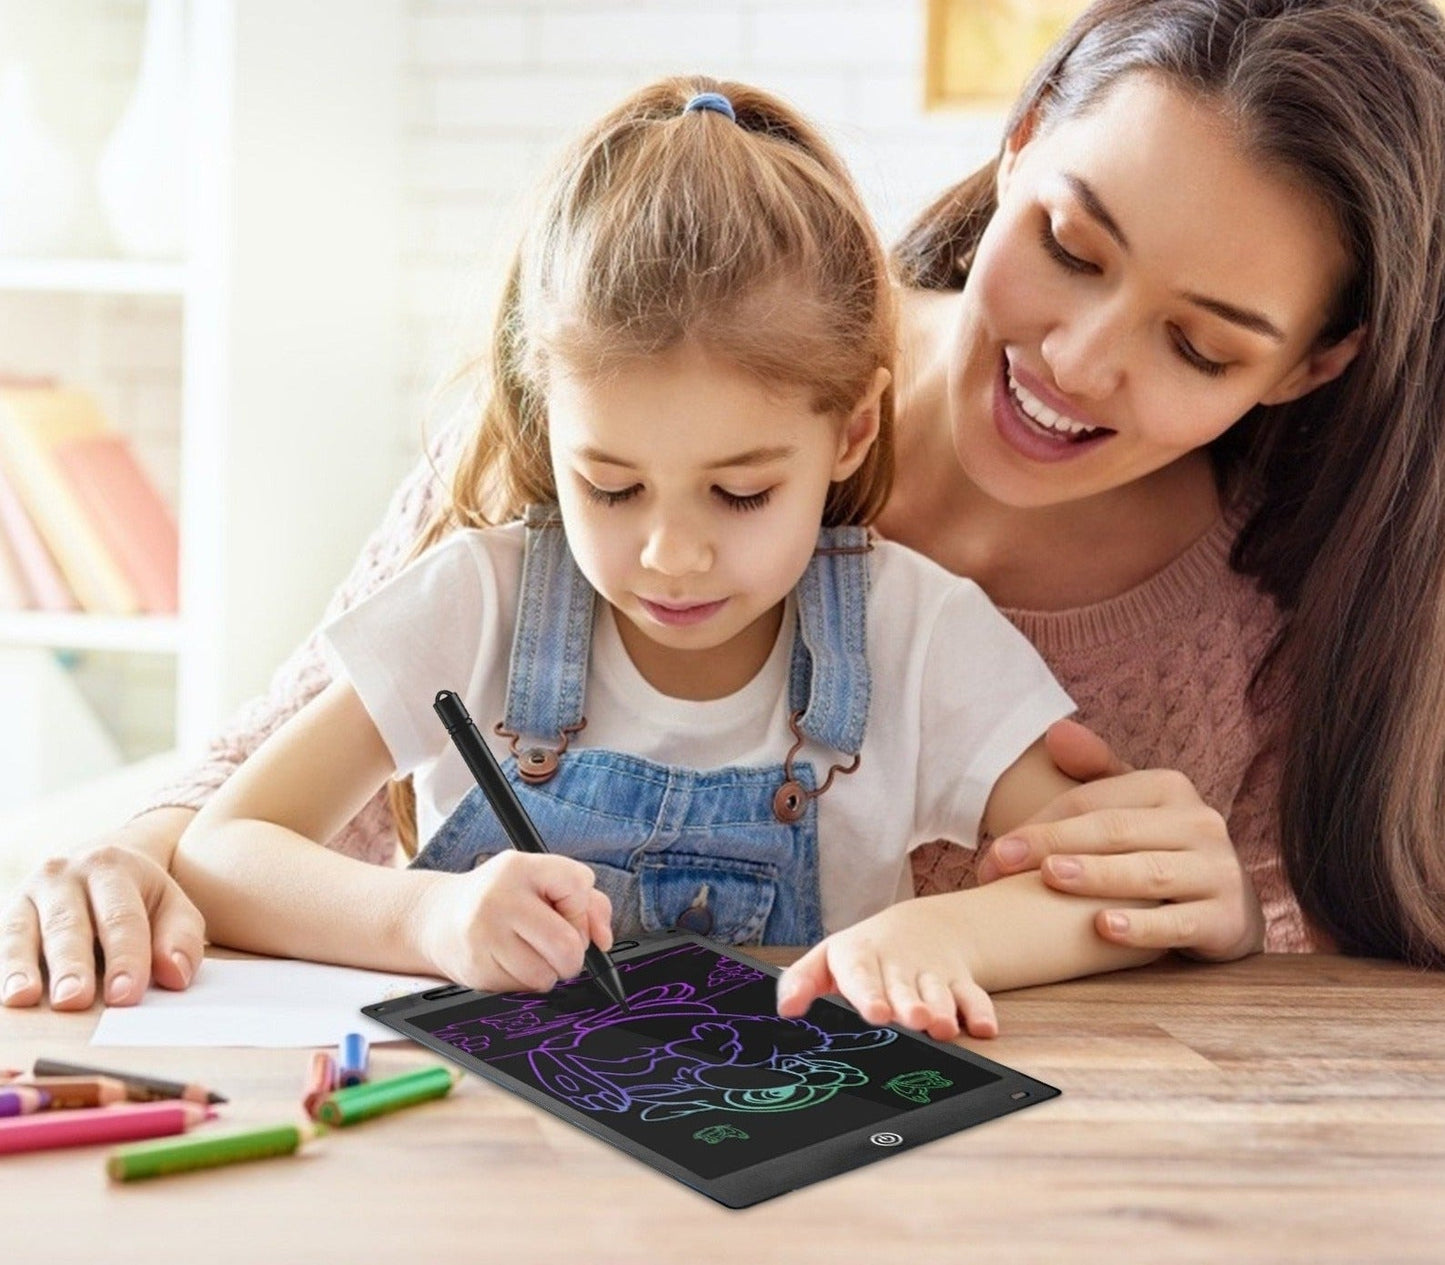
980,52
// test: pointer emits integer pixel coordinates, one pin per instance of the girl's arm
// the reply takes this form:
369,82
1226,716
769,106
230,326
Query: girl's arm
251,863
924,962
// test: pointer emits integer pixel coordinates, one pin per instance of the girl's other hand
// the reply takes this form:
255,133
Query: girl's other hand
1142,835
112,898
518,921
905,965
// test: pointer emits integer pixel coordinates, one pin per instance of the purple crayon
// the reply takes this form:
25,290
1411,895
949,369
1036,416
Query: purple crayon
21,1100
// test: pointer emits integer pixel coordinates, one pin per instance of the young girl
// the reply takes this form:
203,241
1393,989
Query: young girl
748,732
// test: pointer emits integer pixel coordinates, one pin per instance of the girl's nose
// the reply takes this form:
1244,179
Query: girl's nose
675,547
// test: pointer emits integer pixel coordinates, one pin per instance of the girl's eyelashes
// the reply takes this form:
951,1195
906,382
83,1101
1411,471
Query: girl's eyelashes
603,497
1065,259
755,501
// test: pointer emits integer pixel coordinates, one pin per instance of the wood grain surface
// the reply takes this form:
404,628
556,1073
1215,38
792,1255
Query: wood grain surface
1276,1109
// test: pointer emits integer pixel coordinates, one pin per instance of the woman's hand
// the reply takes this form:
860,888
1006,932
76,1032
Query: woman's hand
110,899
1136,835
518,921
907,965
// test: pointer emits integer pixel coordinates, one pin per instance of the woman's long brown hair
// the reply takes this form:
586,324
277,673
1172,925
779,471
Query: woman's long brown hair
1346,98
660,226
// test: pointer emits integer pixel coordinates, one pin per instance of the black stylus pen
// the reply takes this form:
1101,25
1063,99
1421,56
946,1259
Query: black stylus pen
520,828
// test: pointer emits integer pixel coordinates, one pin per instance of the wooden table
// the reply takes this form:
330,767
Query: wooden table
1277,1109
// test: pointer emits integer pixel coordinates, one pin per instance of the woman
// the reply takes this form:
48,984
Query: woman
1174,357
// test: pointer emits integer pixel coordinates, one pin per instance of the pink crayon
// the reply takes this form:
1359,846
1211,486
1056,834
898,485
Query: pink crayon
91,1125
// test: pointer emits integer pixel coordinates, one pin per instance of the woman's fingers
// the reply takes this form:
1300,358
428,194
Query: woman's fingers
67,937
1080,753
20,980
122,928
1209,930
178,936
1106,829
1146,875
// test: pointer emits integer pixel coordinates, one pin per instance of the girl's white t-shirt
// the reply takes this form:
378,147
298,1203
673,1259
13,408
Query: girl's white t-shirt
957,695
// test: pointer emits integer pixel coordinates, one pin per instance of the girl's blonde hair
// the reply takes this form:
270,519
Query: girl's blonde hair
662,225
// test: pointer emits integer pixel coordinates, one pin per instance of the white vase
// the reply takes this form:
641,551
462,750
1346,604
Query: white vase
141,174
39,180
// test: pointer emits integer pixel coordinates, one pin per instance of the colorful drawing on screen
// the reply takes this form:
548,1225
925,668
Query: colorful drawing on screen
678,1050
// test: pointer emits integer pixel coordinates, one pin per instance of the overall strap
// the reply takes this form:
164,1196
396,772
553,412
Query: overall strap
830,683
547,675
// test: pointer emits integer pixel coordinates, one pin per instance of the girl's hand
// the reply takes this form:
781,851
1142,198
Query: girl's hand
109,898
906,965
1136,835
518,921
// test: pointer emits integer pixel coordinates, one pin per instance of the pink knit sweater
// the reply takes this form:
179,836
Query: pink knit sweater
1159,671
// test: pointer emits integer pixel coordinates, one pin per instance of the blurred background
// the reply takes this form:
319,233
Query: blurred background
242,245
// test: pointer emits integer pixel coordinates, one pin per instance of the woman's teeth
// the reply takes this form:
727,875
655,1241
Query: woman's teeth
1037,411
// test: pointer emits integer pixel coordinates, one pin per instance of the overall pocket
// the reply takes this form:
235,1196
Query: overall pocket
724,899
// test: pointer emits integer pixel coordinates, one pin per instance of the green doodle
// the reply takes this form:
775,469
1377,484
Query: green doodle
718,1133
914,1086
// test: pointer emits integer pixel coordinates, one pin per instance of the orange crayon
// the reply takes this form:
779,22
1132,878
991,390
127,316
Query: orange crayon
69,1092
321,1081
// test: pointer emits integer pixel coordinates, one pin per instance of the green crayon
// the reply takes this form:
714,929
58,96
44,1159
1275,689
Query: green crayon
180,1155
375,1098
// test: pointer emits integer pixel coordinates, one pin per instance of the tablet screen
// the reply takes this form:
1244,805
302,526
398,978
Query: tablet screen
700,1068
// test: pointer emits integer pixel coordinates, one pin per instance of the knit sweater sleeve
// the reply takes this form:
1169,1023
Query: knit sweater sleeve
1162,672
371,834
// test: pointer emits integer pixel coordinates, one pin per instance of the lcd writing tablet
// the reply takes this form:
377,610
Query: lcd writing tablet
702,1079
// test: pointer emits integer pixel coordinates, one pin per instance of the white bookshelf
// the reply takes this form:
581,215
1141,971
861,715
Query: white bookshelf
288,311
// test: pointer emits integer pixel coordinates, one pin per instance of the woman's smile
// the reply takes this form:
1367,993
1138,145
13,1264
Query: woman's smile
1042,429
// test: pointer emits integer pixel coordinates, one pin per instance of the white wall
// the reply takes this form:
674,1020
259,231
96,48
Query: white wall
494,87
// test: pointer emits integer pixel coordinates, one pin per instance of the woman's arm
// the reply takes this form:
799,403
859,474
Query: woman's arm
117,896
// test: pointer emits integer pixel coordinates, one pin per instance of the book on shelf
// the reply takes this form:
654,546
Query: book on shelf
14,592
109,530
45,587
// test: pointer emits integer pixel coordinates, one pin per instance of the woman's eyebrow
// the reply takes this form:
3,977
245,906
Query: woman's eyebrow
1255,322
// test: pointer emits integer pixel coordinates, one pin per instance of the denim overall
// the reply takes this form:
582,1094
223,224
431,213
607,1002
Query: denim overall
729,853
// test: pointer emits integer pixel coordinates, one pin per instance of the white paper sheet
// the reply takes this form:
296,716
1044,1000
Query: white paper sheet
260,1002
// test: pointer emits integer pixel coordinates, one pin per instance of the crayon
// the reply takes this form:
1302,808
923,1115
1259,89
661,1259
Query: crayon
21,1100
362,1102
68,1092
138,1088
156,1159
321,1081
351,1065
48,1129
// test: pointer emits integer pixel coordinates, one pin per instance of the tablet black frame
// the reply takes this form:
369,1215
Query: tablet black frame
1012,1091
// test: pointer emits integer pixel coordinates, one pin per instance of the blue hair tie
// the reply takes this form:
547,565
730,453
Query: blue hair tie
714,101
